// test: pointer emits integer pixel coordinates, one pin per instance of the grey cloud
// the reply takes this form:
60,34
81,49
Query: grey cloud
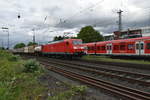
72,14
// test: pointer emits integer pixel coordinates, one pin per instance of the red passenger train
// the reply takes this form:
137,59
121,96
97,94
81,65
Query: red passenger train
67,47
125,47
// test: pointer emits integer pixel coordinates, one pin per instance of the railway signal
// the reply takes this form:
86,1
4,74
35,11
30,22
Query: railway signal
19,16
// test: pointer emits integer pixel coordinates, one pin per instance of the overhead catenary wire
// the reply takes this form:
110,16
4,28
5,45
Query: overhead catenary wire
76,14
68,19
81,11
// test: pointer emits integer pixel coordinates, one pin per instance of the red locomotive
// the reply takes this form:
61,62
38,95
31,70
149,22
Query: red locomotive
125,47
67,47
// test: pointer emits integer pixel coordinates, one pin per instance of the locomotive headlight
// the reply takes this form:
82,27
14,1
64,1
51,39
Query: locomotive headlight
75,48
82,47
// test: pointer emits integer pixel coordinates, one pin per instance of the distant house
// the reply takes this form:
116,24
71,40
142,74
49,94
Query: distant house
132,33
108,37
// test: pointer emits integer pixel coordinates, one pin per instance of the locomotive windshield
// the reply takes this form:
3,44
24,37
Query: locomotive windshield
77,42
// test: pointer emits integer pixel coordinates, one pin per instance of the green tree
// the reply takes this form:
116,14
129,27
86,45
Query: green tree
56,38
89,34
19,45
32,43
2,48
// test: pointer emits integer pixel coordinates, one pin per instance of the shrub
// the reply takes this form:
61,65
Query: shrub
31,65
79,89
13,58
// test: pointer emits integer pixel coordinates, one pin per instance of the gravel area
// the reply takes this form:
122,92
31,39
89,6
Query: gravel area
114,80
91,93
53,85
128,68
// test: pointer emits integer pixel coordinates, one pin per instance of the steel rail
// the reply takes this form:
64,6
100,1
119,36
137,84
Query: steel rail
90,69
117,89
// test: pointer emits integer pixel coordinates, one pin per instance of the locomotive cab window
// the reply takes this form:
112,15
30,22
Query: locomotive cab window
77,42
148,46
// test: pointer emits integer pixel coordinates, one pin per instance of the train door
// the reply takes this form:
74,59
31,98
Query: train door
139,48
109,48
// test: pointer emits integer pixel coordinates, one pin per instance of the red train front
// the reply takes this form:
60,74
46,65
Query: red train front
67,47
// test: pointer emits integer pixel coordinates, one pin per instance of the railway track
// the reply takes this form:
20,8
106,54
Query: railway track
128,93
120,64
123,91
119,74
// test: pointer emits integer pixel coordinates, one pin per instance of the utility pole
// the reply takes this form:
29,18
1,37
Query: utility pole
120,20
5,28
33,35
2,43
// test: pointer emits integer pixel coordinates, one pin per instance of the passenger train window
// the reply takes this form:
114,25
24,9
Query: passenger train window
122,47
88,48
110,48
130,47
148,46
107,47
116,47
98,48
142,46
92,48
103,47
137,46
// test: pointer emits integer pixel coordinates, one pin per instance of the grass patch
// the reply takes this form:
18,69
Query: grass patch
19,80
108,59
15,84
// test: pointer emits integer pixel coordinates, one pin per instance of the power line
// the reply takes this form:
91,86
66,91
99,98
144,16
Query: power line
79,12
90,7
67,19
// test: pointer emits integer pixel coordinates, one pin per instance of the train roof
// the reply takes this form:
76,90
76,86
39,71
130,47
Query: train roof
63,41
133,39
122,40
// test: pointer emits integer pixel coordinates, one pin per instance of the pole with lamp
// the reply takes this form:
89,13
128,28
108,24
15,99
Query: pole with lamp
5,28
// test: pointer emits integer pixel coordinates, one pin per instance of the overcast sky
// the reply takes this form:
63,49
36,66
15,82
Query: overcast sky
51,18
